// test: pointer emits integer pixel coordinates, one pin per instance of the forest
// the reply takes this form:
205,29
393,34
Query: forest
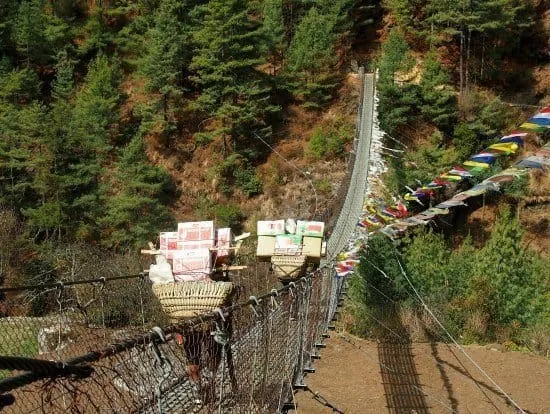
94,95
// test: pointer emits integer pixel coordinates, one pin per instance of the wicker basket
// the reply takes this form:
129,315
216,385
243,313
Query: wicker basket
187,299
289,267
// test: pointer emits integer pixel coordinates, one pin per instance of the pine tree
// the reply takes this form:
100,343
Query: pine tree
397,101
8,13
439,102
225,61
64,71
505,268
25,164
274,30
88,144
135,200
166,53
29,30
402,11
311,58
477,25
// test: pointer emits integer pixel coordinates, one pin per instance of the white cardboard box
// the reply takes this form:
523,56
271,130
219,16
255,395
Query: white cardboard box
288,243
195,245
189,265
224,237
271,227
196,231
168,240
310,228
312,247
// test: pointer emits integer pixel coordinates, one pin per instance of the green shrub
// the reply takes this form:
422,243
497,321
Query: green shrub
225,215
323,186
329,141
228,215
202,139
236,171
248,181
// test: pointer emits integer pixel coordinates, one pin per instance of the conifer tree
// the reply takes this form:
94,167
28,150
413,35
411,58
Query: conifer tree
8,12
166,53
20,131
439,102
51,217
397,101
225,61
29,30
88,143
274,29
311,58
135,200
504,269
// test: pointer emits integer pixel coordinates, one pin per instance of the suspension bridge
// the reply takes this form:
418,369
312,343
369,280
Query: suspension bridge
104,345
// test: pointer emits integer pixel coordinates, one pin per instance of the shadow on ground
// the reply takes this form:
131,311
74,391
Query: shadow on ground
402,386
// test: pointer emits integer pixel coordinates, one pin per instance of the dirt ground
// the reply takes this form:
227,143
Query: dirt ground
359,376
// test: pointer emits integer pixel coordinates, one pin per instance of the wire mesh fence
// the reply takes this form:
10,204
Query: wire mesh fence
348,216
246,359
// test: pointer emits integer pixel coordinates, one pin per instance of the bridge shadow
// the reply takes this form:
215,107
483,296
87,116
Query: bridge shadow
402,387
443,374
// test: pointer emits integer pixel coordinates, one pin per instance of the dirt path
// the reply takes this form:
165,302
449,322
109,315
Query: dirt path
370,377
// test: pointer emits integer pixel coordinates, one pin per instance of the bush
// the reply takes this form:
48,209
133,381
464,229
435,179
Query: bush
329,140
236,171
323,186
225,215
228,215
248,181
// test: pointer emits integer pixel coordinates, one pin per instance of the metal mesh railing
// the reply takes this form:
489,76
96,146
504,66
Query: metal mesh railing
353,204
247,358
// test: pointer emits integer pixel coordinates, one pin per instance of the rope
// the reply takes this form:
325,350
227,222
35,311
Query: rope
322,400
44,368
61,284
498,387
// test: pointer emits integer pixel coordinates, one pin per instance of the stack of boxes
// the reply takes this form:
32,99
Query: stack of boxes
312,232
277,237
267,233
191,249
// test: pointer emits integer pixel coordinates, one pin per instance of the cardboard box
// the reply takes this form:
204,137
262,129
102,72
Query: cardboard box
224,237
195,245
310,228
196,231
168,240
266,247
288,243
192,265
312,247
169,253
271,228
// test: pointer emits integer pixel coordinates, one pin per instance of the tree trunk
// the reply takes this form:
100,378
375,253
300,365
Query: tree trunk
466,66
482,58
461,88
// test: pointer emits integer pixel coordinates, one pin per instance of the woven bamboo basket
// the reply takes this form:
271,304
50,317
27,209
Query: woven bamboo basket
187,299
289,267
